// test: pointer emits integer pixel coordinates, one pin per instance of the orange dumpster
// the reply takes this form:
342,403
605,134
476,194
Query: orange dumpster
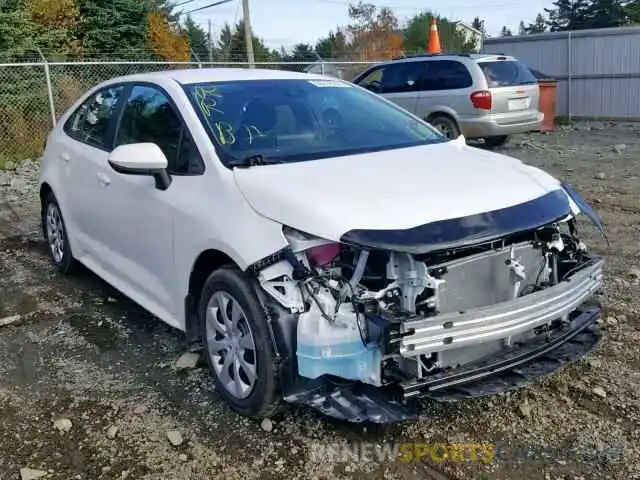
547,104
547,100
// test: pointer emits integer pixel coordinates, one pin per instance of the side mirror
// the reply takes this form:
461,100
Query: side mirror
141,159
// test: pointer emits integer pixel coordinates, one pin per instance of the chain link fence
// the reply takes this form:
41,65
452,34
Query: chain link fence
34,95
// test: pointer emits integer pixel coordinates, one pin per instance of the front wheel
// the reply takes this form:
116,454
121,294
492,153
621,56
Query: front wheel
238,345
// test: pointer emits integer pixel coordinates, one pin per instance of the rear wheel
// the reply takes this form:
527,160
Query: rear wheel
55,233
446,125
494,142
237,344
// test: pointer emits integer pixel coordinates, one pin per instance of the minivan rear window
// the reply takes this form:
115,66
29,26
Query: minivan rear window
506,73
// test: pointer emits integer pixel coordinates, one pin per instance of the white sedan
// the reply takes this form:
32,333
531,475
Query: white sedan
320,244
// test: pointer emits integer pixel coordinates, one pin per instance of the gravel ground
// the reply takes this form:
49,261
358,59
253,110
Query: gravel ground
89,388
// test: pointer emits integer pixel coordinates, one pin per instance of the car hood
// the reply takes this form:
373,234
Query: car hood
391,190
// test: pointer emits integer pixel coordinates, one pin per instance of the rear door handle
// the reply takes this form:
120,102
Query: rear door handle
103,179
65,157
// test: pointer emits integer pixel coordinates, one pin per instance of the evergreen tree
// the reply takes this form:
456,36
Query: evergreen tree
522,29
606,13
334,45
539,26
198,40
505,32
568,15
118,28
232,45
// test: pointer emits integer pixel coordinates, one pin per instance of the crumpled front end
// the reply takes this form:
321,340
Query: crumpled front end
468,309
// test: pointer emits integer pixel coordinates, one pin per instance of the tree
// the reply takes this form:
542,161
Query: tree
539,26
301,52
505,32
333,45
165,40
451,39
606,13
522,29
568,15
632,9
198,40
16,31
374,33
479,25
119,27
232,46
55,25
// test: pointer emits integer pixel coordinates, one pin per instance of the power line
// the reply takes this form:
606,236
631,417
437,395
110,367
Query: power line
214,4
183,3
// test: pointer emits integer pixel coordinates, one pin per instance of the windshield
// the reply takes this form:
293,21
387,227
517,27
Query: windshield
507,73
297,120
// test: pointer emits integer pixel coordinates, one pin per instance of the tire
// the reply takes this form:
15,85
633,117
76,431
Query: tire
249,348
445,125
55,234
494,142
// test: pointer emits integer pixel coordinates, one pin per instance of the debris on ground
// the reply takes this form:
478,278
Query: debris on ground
31,474
175,438
267,425
187,361
599,391
9,320
63,425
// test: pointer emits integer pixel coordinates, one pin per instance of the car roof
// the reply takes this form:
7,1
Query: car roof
188,76
421,57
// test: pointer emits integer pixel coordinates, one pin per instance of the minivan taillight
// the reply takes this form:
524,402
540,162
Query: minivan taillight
481,99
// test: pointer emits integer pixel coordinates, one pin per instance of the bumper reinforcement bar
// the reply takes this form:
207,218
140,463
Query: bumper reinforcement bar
514,367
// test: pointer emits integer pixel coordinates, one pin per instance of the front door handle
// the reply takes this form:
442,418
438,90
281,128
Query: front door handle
103,179
65,157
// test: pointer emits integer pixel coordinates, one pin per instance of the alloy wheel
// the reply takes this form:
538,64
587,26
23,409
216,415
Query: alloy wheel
55,232
231,345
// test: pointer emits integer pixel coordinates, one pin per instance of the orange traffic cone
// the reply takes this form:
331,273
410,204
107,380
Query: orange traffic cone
434,38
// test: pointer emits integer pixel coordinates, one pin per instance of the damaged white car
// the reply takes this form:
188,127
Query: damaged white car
321,245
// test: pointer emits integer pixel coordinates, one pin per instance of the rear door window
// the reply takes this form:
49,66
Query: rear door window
393,78
91,122
506,73
445,75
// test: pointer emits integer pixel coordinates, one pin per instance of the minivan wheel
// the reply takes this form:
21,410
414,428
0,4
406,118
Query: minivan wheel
497,141
446,125
55,233
237,344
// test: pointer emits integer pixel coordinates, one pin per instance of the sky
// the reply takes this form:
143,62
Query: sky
284,23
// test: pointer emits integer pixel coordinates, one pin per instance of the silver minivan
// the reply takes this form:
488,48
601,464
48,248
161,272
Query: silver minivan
481,96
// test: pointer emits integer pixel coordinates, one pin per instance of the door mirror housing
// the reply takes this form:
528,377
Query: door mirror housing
141,159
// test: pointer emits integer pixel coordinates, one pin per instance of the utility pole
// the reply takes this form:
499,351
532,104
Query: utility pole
210,43
248,36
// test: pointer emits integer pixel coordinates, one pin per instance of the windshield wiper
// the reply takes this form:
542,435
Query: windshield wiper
252,161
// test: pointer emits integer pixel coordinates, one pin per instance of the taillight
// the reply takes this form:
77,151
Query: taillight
481,99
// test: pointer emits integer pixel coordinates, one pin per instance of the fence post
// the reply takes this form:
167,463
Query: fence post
569,76
47,74
322,68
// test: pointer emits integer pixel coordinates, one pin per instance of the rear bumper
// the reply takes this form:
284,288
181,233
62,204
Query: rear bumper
492,127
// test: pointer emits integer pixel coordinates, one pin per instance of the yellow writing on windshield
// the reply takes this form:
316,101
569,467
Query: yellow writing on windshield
207,98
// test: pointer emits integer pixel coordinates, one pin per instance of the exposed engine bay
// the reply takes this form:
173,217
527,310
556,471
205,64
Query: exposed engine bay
382,318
